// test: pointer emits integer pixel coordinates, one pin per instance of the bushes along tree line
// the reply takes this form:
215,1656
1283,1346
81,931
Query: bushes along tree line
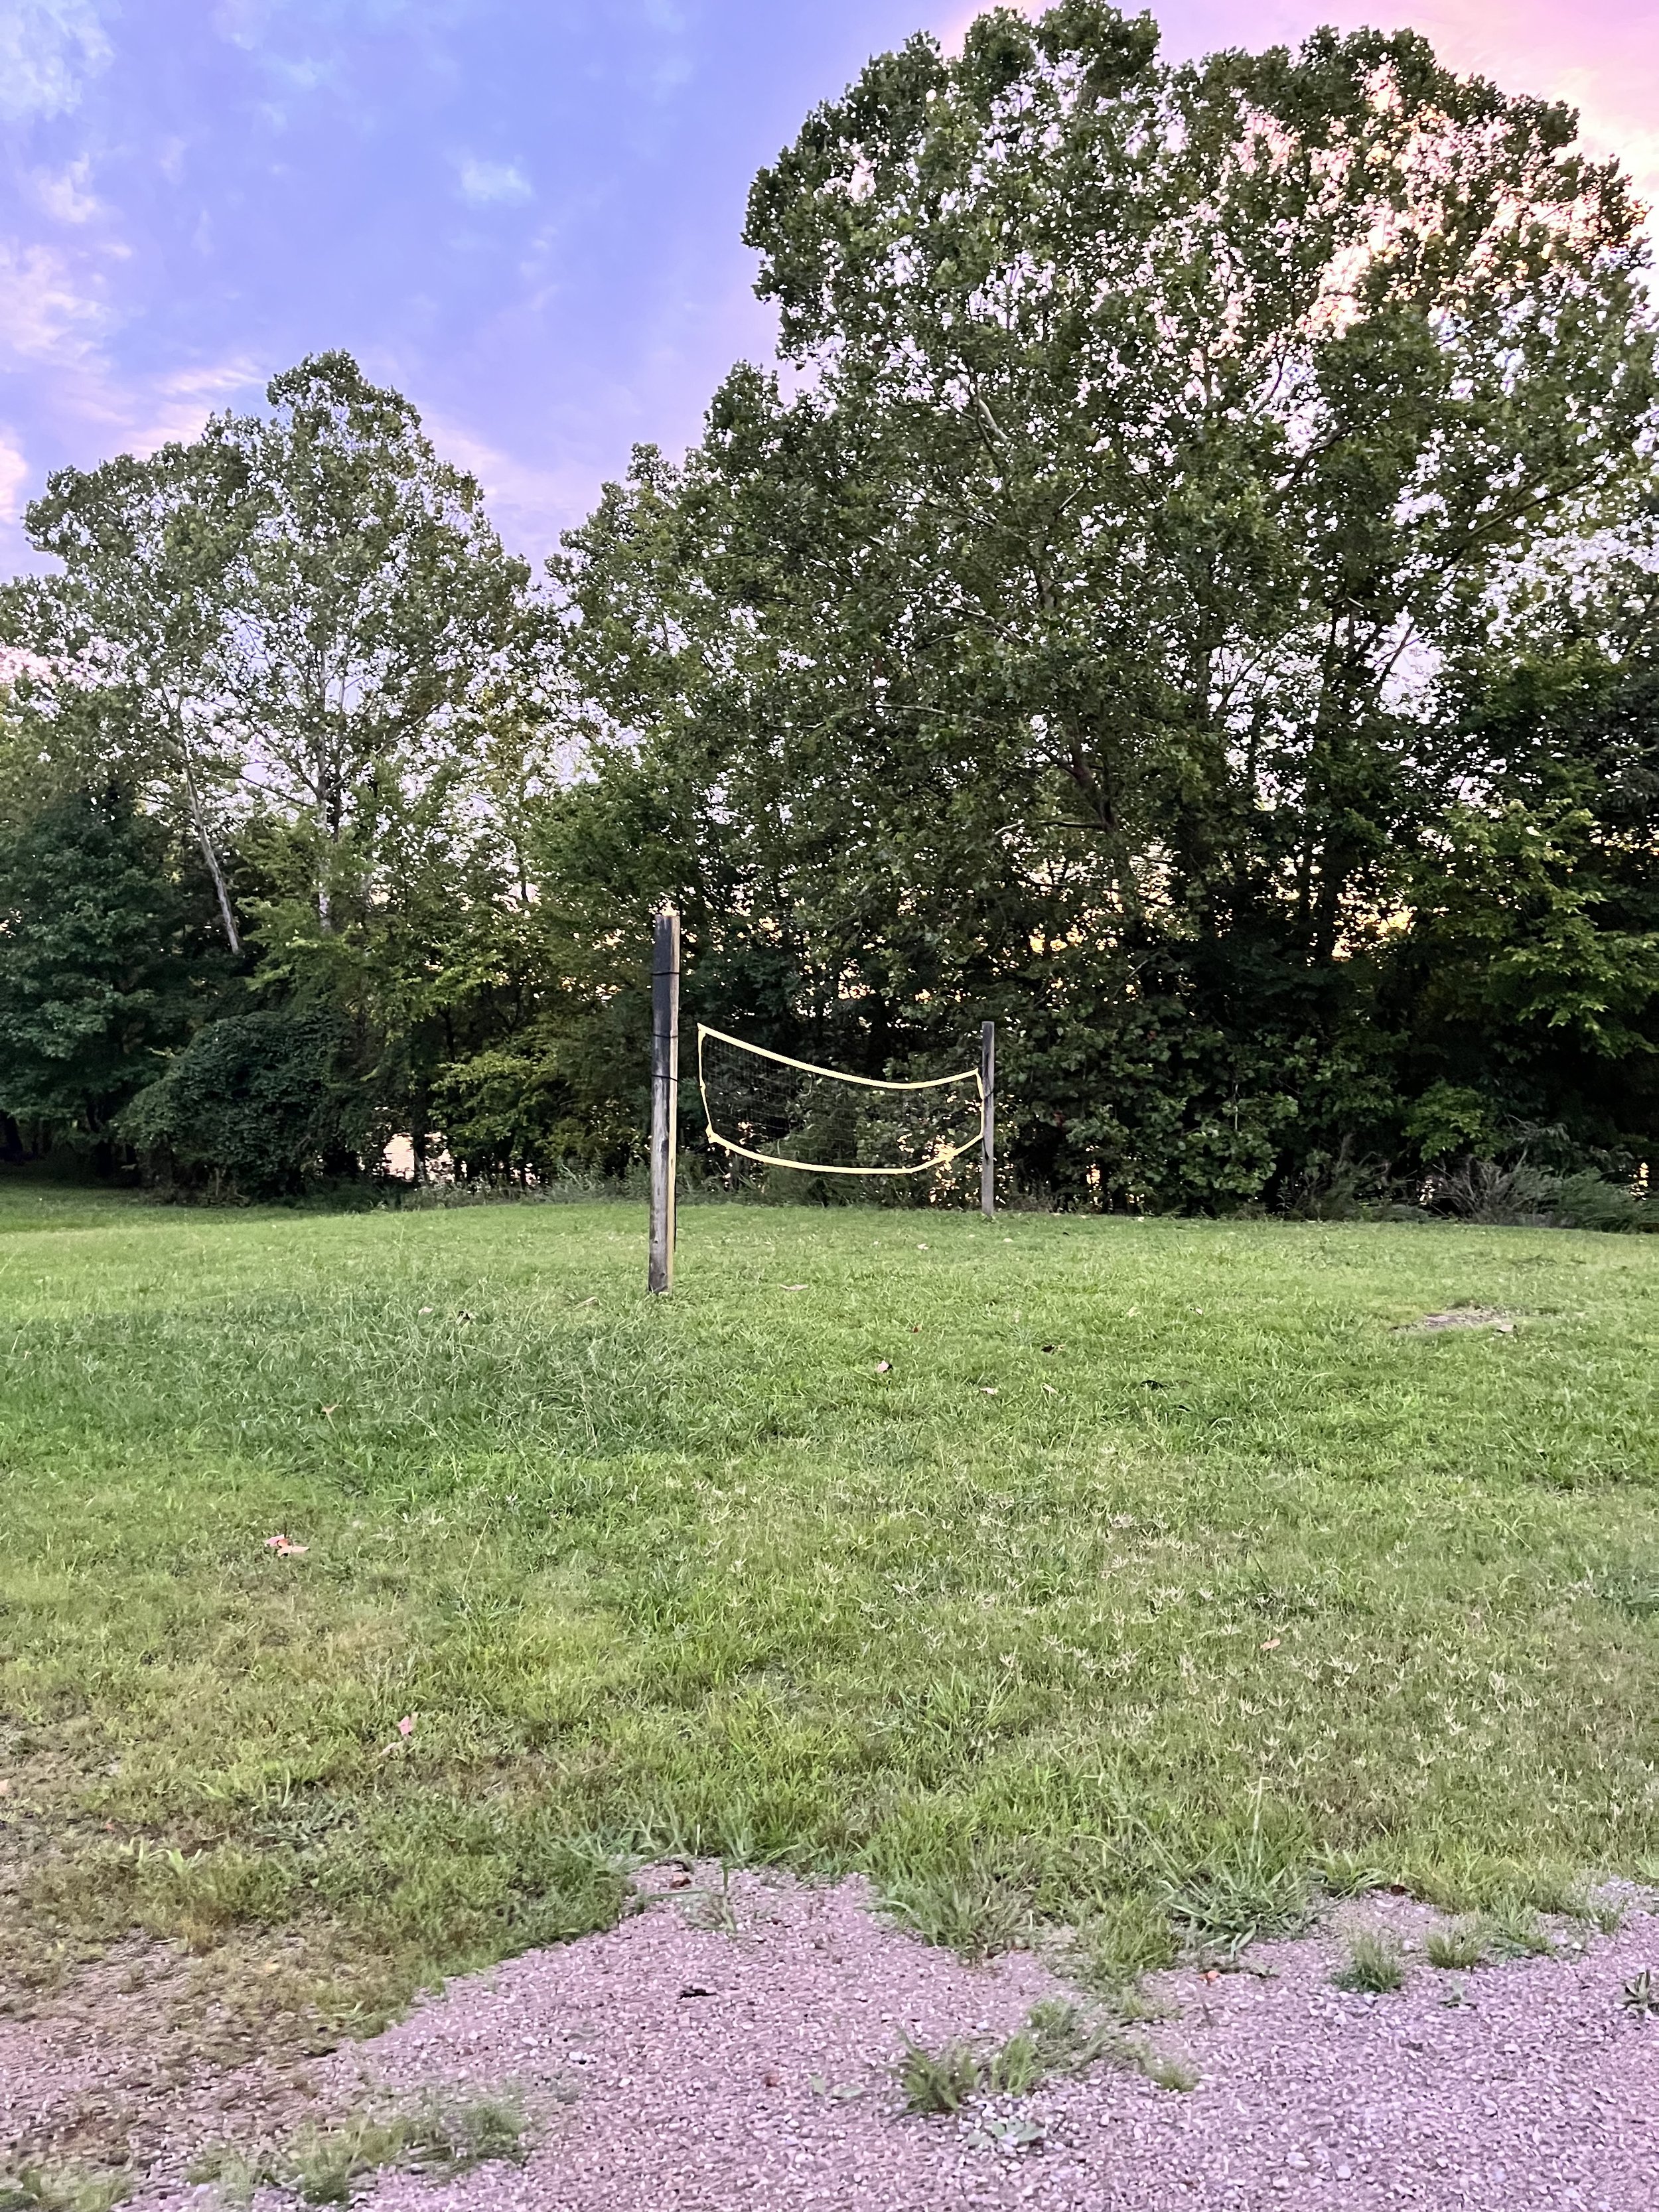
1187,590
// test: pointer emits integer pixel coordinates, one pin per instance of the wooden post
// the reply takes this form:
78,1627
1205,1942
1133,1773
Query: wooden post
987,1152
664,1094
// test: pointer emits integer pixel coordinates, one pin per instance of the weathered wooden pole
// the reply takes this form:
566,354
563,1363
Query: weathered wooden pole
987,1148
664,1094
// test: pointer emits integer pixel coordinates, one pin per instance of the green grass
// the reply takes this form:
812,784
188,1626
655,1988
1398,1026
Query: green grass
1157,1573
1373,1968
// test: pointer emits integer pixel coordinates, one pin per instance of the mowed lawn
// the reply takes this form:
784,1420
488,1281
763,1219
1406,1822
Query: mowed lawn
1059,1571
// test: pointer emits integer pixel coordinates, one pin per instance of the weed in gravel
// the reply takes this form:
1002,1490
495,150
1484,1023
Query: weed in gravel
452,2134
325,2164
1597,1909
713,1908
1055,2039
939,2081
1372,1968
236,2173
1113,1946
1514,1931
1162,2071
1457,1948
1018,2132
40,2189
440,2137
1640,1994
975,1914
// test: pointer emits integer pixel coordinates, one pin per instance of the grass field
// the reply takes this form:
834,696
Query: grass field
1156,1576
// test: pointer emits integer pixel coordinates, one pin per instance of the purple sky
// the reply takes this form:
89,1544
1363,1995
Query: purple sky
524,213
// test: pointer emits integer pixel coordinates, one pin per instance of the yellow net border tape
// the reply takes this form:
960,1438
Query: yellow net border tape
832,1075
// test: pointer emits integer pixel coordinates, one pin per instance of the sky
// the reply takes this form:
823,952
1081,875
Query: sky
525,214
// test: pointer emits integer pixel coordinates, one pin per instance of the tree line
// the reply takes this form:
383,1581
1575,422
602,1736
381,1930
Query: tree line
1186,589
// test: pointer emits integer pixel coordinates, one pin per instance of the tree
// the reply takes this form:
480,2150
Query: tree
124,642
374,609
98,949
1062,645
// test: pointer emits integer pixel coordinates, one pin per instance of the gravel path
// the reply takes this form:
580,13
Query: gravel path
677,2068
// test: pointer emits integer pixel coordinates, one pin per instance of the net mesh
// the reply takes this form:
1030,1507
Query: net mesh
765,1106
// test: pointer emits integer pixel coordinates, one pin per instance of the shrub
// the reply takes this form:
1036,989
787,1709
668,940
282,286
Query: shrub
257,1106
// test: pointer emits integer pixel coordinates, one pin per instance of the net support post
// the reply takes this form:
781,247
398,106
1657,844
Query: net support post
988,1148
665,1096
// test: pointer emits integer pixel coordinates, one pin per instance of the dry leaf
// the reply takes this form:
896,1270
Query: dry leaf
792,1286
426,1309
989,1388
1273,1643
921,1247
1050,1389
884,1367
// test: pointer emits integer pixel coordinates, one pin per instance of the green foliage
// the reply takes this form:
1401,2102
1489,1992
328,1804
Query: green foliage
939,2081
95,966
1039,655
440,2138
972,1911
1458,1948
257,1105
1373,1968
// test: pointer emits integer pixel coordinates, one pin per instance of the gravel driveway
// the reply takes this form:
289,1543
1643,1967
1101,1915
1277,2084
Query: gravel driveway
674,2067
677,2067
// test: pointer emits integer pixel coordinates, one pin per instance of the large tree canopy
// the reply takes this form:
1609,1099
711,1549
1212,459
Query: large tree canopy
1070,631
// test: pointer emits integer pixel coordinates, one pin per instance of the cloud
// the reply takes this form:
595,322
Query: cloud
63,193
529,506
48,48
494,184
15,475
44,314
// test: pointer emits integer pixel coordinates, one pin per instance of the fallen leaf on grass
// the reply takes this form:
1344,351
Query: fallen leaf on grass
989,1388
285,1547
406,1729
792,1286
1273,1643
884,1367
1050,1389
